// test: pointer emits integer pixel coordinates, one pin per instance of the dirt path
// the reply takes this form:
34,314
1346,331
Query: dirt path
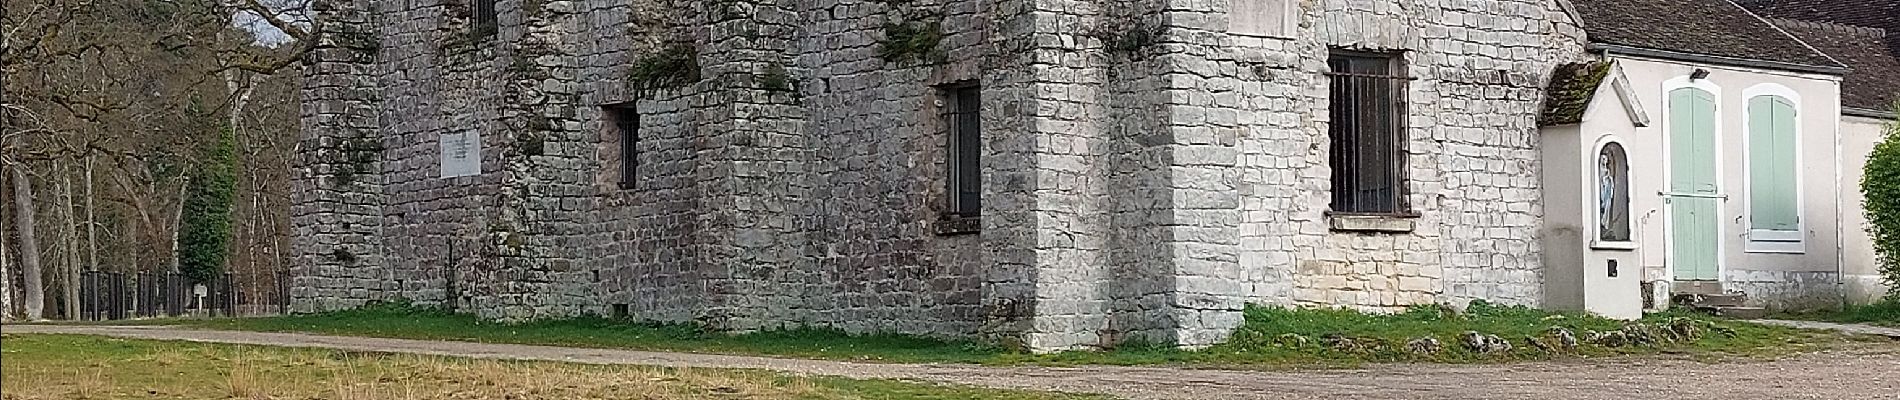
1837,375
1860,329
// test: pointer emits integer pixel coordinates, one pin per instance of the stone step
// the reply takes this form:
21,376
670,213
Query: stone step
1720,300
1698,300
1696,287
1737,312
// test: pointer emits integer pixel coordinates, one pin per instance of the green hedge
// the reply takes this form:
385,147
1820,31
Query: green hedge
1881,186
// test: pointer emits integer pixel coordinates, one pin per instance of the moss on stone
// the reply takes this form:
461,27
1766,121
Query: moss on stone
1128,39
911,41
775,78
531,144
358,157
1571,88
673,67
534,8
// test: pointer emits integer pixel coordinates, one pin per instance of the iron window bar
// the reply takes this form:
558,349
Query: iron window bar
1380,76
1367,133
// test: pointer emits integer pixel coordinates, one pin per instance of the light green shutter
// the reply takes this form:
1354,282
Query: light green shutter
1693,202
1771,166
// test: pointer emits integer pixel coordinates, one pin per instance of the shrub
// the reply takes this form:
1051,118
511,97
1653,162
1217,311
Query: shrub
673,67
204,235
911,41
1881,187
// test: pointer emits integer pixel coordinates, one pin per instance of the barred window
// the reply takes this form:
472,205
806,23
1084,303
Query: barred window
964,152
486,22
626,121
1367,132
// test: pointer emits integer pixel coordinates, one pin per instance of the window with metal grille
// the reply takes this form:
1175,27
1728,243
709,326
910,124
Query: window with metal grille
486,21
627,121
1368,135
964,151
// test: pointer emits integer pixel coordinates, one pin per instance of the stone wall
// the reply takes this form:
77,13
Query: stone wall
336,190
1787,290
1477,69
1146,174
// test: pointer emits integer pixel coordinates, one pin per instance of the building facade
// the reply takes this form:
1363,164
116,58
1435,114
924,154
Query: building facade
1865,36
1061,174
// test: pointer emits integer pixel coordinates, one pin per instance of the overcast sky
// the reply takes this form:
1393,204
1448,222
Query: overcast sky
266,34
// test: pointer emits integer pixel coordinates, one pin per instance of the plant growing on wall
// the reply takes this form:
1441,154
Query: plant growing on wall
1881,185
911,41
205,225
775,78
1128,37
357,157
673,67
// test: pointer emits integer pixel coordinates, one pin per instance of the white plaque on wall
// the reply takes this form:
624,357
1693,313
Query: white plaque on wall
461,154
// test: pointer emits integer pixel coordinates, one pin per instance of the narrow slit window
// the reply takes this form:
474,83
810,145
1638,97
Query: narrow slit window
964,151
486,20
1367,133
626,121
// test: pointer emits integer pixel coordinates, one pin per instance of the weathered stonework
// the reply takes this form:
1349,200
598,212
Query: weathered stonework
1787,290
1146,174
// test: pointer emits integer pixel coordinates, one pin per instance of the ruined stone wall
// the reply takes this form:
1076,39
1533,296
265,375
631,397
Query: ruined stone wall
746,216
336,211
865,215
1146,173
438,79
643,242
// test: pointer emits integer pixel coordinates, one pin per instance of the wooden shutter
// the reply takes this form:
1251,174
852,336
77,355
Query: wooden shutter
1693,201
1772,190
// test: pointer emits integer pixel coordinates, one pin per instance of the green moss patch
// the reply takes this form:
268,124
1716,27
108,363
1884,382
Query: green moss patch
673,67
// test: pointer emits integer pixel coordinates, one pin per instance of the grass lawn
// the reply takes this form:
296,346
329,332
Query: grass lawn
1270,337
87,367
1885,313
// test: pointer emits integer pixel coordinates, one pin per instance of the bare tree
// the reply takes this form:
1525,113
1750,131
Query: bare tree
69,236
6,278
123,92
29,255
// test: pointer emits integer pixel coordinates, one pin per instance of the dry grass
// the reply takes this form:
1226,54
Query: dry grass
82,367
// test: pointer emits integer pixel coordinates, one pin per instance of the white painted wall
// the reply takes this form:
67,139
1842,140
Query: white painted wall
1576,272
1792,279
1859,267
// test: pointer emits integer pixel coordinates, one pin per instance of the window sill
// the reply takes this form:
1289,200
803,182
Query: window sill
1774,241
951,225
1394,223
1620,246
1264,35
1766,247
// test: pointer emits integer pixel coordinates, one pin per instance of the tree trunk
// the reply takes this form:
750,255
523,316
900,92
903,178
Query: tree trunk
35,296
6,279
178,217
92,221
70,236
6,126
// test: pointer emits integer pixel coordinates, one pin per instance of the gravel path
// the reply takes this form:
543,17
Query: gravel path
1860,374
1861,329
